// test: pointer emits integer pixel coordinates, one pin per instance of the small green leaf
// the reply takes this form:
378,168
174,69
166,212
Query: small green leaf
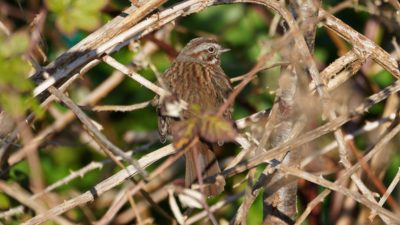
14,45
77,14
14,69
217,129
58,5
4,201
90,5
65,23
19,42
383,78
86,20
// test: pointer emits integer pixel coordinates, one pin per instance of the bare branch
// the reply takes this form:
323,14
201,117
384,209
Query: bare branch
95,133
103,186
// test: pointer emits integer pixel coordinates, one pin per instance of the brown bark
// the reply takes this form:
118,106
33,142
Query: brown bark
280,207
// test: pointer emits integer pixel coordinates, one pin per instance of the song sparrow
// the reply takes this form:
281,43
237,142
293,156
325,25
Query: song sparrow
196,77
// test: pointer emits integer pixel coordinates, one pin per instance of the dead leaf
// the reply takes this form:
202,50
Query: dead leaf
183,132
217,129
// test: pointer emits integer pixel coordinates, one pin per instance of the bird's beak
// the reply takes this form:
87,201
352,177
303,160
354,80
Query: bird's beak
224,50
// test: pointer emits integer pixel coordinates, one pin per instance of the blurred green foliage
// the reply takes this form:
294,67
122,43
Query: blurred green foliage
383,78
14,70
71,15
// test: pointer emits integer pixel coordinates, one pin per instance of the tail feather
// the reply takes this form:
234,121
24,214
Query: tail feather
208,164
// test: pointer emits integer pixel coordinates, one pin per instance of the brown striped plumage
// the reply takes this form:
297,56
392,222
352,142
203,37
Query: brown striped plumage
197,78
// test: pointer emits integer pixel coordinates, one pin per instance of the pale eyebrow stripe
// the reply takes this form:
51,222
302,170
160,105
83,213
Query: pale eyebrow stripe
204,46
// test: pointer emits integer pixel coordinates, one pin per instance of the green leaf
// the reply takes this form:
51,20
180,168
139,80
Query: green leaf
77,14
255,211
19,43
58,6
86,20
14,69
217,129
14,45
65,23
4,201
90,5
383,78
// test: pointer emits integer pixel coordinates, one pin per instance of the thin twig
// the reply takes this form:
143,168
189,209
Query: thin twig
103,186
98,93
120,108
107,146
389,190
338,188
135,210
22,196
213,208
378,147
114,63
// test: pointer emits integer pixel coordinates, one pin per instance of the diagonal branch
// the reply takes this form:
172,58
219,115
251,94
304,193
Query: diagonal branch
106,145
103,186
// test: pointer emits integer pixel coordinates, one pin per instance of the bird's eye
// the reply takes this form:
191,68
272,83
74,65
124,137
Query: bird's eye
211,49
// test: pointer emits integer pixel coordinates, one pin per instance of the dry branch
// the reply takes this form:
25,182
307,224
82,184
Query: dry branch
106,145
376,149
103,186
138,22
22,196
363,47
389,190
335,187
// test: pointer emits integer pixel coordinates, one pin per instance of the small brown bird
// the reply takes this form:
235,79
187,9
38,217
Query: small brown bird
196,77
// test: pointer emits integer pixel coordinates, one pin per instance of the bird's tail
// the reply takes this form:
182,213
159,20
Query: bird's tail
208,165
